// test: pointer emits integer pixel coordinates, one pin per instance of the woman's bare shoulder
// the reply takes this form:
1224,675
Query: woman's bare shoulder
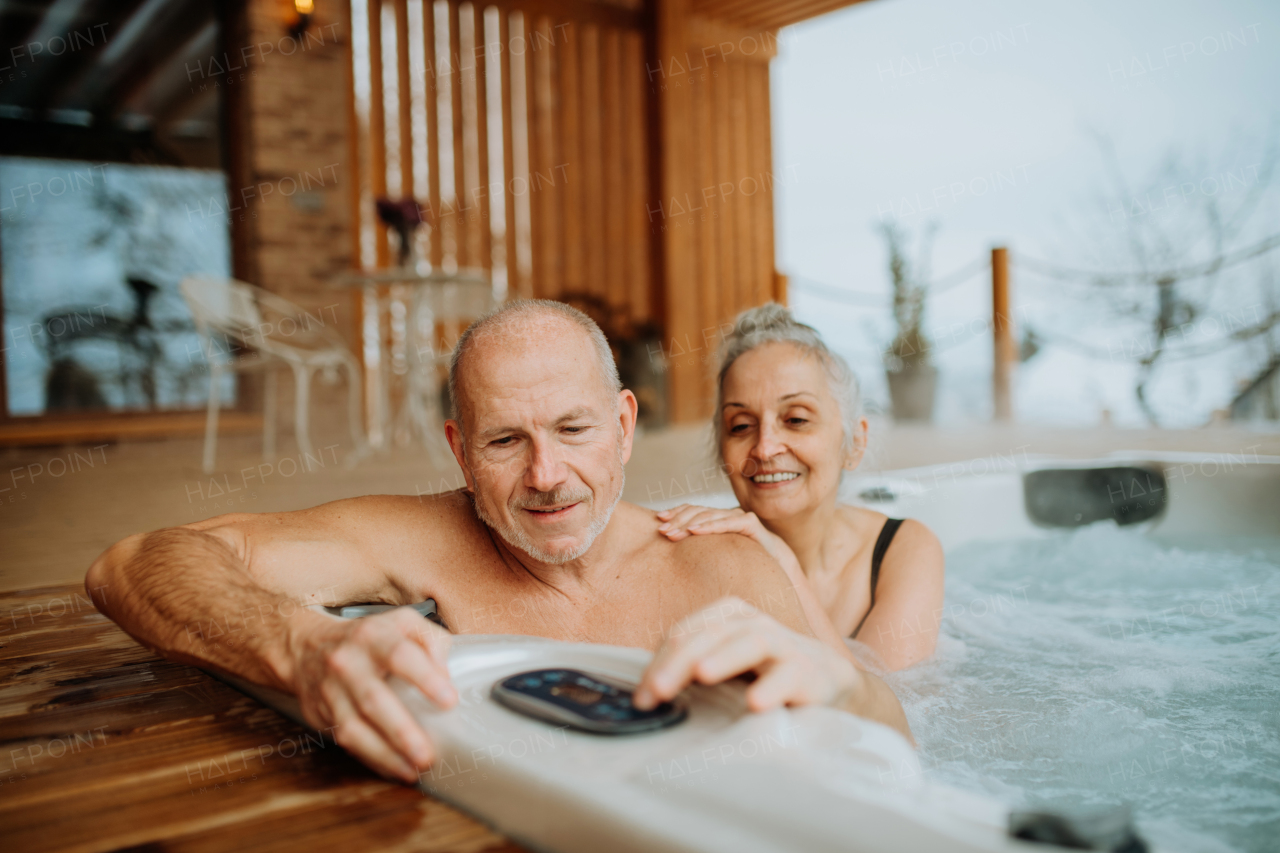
862,522
918,547
913,541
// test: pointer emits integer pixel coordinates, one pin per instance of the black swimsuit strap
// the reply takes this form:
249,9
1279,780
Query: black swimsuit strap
887,533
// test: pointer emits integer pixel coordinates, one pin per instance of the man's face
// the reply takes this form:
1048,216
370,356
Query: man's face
542,438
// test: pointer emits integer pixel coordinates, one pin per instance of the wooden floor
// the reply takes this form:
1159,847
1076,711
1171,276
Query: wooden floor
105,746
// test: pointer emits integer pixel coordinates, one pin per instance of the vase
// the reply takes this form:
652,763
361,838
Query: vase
911,391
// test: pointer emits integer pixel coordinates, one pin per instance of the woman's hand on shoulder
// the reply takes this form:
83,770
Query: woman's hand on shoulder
687,520
684,520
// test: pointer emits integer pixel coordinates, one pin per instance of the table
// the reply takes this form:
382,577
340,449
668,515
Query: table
404,315
104,745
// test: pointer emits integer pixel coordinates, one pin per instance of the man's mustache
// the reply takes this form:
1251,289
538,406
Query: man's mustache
566,496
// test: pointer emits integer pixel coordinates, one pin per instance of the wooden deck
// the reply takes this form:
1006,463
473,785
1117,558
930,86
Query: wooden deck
105,746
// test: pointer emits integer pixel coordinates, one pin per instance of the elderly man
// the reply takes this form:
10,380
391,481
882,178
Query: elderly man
537,544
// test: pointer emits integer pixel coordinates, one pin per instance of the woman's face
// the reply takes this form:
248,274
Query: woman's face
782,436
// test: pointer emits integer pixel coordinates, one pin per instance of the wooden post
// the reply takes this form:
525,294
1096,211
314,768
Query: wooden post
676,141
1006,350
781,286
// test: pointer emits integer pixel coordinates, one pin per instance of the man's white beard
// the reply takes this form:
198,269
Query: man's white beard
517,538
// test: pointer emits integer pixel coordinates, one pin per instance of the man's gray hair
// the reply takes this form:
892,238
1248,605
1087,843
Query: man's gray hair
772,323
521,312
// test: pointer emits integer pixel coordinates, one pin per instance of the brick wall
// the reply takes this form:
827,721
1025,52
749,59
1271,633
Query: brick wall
290,129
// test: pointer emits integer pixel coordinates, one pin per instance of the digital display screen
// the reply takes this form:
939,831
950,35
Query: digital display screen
581,701
576,693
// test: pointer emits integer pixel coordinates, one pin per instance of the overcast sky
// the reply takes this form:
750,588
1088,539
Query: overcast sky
983,116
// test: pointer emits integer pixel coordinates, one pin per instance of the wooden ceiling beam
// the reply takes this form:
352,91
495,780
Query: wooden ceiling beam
151,35
96,22
168,95
17,23
750,45
765,14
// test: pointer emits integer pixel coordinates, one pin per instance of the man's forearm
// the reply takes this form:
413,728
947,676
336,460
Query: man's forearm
874,700
187,595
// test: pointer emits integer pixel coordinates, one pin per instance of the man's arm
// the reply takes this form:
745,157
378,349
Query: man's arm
223,592
903,625
188,595
227,593
759,626
731,637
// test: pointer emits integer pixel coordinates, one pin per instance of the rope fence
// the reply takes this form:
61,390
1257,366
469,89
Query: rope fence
1201,270
863,298
1060,272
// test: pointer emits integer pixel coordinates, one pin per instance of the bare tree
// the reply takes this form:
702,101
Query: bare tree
1172,248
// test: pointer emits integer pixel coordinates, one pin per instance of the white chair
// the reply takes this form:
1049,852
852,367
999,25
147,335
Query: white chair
454,303
246,328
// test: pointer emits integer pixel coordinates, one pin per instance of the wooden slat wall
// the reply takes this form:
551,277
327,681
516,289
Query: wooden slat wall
635,170
716,215
560,214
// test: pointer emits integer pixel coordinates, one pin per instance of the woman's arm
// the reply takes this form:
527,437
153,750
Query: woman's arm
902,627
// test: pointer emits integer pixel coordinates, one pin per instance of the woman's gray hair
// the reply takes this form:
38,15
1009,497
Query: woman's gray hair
772,323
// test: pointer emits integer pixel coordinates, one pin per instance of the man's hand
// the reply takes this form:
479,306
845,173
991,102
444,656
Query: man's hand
340,672
731,637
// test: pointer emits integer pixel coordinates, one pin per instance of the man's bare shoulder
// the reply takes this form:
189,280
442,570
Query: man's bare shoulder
443,510
714,566
732,564
726,557
397,533
371,548
368,513
708,557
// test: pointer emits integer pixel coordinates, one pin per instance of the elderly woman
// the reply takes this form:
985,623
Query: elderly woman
787,426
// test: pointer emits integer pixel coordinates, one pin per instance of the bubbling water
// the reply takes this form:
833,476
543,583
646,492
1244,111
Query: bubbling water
1101,666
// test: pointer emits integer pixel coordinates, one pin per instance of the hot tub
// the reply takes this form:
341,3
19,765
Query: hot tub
1111,634
1070,673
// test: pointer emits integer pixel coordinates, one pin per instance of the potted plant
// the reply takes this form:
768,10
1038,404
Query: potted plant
909,367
